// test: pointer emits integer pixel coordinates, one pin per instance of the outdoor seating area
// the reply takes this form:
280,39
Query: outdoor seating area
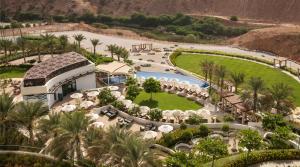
110,113
182,88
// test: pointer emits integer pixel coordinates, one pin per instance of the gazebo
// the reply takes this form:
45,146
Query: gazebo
233,103
113,73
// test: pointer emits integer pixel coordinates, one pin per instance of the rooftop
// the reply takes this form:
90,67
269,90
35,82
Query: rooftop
44,71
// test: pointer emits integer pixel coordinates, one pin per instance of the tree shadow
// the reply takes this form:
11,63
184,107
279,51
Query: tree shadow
149,103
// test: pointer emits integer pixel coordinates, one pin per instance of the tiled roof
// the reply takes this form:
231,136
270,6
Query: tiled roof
55,66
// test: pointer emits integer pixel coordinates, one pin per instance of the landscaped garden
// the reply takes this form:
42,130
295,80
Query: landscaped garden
191,62
166,101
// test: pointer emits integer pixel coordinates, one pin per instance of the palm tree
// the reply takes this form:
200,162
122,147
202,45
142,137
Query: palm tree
71,135
112,49
37,45
79,38
49,42
95,42
48,126
221,73
136,153
282,98
6,107
256,85
204,68
26,114
124,54
211,68
237,79
6,45
21,42
120,147
63,40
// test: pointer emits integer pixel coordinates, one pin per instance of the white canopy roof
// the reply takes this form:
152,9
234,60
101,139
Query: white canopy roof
114,68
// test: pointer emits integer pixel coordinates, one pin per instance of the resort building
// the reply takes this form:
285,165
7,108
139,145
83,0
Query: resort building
56,77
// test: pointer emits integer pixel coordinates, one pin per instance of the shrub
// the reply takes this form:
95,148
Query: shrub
183,126
258,157
203,131
155,114
195,120
228,118
119,105
234,18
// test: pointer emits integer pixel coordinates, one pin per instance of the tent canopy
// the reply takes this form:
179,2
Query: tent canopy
114,68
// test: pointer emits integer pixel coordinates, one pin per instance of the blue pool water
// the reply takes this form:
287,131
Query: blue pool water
181,78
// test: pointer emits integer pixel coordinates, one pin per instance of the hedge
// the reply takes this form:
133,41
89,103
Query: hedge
257,157
179,135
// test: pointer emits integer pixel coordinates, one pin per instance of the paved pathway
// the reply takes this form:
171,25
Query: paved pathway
295,163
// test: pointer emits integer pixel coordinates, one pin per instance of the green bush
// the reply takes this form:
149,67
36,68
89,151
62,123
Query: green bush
182,135
234,18
258,157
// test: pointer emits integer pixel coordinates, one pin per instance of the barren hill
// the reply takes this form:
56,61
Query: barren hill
283,41
267,10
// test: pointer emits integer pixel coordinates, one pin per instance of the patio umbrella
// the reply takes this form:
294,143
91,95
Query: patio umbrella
93,116
93,94
144,110
113,88
127,103
98,124
68,108
167,113
76,95
117,94
165,128
86,104
121,98
149,135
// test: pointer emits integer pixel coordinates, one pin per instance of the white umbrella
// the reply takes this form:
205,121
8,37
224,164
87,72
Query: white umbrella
165,128
113,88
149,135
144,109
93,116
98,124
93,94
121,98
68,108
167,113
117,94
86,104
127,103
191,112
76,95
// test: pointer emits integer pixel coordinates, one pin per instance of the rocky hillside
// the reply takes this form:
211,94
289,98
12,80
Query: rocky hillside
283,41
267,10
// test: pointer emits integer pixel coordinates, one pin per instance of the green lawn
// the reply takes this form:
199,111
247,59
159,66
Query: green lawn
191,62
166,101
14,73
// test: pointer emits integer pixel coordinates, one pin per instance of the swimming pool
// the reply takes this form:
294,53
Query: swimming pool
181,78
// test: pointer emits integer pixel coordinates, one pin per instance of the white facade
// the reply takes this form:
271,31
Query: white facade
83,77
